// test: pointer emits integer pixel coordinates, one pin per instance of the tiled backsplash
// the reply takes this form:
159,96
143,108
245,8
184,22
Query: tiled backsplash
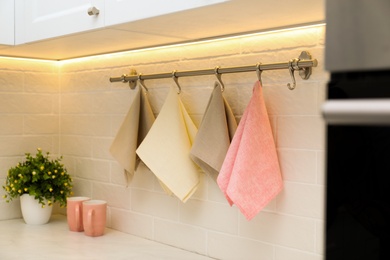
70,108
29,115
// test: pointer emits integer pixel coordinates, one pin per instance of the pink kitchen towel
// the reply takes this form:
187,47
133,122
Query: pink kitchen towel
135,126
250,176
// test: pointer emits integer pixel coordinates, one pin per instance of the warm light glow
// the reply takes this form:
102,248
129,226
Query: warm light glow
270,31
27,59
99,56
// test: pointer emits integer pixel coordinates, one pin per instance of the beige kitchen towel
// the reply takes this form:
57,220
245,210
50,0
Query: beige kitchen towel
214,134
135,126
250,176
165,150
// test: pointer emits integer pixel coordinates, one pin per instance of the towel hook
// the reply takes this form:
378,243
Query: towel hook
258,72
219,78
141,82
176,79
292,66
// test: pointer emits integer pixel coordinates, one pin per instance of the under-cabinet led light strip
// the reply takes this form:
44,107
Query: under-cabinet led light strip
200,41
207,40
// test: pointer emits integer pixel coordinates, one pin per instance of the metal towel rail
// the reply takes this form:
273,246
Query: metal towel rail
303,65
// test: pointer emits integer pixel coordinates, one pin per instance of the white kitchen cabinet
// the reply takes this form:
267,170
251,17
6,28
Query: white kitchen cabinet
44,19
124,11
7,22
62,29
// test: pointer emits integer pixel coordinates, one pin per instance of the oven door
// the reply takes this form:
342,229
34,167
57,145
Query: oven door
358,166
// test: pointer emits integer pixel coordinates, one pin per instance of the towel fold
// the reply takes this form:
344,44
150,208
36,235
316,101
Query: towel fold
135,126
165,150
214,134
250,176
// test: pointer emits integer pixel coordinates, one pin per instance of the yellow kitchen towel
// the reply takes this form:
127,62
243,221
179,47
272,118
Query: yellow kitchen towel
135,126
250,176
214,134
165,150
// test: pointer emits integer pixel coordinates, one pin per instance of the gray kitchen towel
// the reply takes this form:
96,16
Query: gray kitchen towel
135,126
214,134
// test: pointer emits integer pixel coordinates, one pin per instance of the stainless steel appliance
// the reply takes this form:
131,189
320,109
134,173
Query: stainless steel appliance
357,113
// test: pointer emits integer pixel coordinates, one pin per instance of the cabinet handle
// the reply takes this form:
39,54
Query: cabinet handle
93,11
357,112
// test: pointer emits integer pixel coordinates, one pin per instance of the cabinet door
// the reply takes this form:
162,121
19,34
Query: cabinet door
7,22
122,11
45,19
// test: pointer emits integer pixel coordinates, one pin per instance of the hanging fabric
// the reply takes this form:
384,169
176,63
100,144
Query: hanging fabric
166,147
214,135
135,126
250,176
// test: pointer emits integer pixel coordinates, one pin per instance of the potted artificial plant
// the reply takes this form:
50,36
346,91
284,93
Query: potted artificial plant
39,182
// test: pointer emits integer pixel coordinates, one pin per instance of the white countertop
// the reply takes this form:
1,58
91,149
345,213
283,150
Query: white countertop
54,241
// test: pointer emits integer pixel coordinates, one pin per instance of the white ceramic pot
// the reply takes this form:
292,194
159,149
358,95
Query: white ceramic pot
32,211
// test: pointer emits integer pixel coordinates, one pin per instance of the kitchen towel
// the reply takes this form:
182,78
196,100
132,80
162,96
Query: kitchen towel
250,176
214,134
165,150
138,121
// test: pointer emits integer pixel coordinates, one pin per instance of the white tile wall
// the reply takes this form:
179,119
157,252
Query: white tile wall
284,230
134,223
11,81
155,204
29,118
11,124
211,215
185,236
81,120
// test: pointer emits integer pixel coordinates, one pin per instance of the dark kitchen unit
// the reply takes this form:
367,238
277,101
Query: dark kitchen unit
357,112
